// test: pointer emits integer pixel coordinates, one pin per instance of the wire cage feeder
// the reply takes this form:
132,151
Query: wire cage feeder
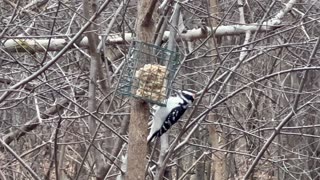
148,72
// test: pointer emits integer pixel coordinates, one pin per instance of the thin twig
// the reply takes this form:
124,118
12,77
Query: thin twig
287,118
24,164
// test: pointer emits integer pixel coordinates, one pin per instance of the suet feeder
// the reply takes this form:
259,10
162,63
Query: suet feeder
148,72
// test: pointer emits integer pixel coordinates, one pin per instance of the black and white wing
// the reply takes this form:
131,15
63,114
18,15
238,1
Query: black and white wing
171,119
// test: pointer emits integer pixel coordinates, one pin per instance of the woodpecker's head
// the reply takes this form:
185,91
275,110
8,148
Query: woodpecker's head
187,96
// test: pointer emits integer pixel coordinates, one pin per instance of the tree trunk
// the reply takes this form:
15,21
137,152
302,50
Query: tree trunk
219,164
89,8
138,132
138,128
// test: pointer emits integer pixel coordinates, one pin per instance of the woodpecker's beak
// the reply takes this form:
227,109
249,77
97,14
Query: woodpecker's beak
194,95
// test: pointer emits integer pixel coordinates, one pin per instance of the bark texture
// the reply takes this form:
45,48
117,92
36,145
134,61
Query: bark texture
138,128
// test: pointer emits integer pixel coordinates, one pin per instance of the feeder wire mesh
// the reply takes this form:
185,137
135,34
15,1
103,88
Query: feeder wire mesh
147,73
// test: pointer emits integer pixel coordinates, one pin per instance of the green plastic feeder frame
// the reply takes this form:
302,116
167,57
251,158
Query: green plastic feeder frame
148,72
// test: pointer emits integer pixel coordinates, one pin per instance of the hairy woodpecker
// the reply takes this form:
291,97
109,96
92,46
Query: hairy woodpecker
165,117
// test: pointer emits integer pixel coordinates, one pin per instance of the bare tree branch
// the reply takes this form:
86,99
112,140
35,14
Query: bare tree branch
34,123
56,58
288,117
24,164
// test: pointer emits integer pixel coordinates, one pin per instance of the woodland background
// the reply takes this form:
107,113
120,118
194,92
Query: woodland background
254,63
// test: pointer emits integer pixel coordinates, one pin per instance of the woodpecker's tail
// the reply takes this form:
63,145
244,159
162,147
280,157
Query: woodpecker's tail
151,137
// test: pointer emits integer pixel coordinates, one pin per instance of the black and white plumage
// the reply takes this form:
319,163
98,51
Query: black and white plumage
165,117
